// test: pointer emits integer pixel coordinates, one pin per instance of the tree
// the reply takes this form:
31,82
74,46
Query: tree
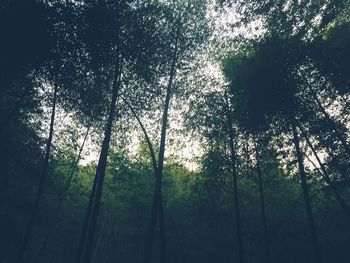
234,180
182,19
209,128
43,176
117,47
273,96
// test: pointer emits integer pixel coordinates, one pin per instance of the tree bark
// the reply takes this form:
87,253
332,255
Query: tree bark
43,177
234,181
262,204
305,189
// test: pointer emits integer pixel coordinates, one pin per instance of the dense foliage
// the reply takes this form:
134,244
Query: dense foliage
174,131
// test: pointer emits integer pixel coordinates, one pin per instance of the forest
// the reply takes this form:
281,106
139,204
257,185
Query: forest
174,131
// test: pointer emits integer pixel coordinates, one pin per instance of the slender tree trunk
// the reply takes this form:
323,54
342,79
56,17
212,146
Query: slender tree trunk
161,229
304,186
155,206
262,204
44,174
99,244
326,177
152,225
148,140
158,206
87,238
157,196
111,251
59,210
138,242
234,182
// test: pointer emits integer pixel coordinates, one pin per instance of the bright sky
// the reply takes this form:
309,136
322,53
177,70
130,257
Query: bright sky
185,147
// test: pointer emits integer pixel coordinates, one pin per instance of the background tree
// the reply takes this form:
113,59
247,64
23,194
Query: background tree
123,69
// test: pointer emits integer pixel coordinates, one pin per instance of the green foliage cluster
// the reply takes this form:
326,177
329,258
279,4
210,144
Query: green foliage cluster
82,79
198,210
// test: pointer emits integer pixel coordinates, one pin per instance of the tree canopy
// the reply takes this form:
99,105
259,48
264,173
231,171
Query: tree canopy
174,131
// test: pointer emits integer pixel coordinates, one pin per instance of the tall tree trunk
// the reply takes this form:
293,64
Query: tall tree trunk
304,186
326,177
87,238
59,210
262,204
158,206
99,242
234,181
113,243
44,174
162,247
152,224
157,196
138,238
